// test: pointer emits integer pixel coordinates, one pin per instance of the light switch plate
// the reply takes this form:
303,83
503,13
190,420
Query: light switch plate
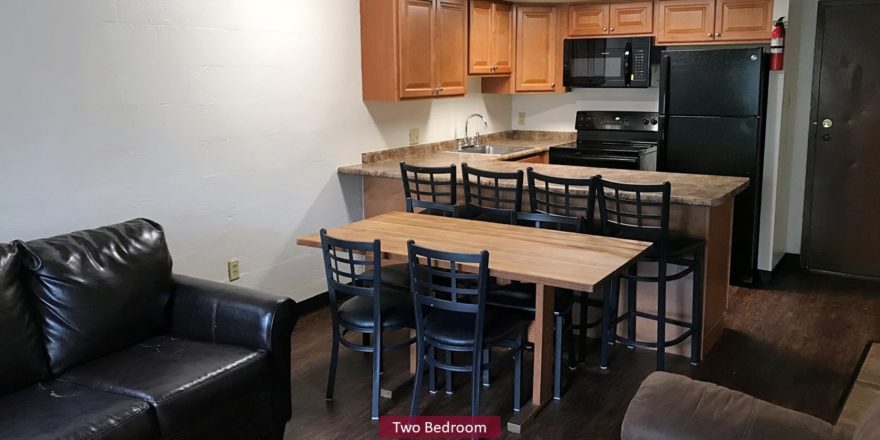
413,136
234,269
521,118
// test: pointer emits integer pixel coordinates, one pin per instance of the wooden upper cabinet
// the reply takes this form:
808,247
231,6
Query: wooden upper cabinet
588,19
631,18
743,20
491,38
416,30
450,39
536,49
480,43
502,42
685,21
413,48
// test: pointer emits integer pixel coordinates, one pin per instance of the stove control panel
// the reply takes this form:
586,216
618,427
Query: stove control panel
618,121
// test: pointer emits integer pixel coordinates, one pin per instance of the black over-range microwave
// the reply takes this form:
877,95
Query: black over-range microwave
608,62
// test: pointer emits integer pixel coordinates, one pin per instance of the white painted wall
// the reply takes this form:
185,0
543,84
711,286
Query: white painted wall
223,120
557,112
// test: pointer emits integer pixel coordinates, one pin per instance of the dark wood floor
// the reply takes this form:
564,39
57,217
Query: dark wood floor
796,342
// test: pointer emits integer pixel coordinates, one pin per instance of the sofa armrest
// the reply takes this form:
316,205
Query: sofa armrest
221,313
670,406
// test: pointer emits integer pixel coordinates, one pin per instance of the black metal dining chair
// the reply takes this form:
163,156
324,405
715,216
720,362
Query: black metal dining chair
371,308
492,196
451,315
571,197
641,212
433,190
522,296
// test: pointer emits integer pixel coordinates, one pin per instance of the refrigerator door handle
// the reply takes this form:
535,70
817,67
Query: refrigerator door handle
665,68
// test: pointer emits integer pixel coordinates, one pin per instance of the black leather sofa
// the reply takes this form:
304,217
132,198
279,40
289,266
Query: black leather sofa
99,340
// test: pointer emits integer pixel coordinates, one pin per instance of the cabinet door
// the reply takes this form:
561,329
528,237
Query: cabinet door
481,37
743,20
584,20
685,21
450,44
416,59
502,38
535,49
631,18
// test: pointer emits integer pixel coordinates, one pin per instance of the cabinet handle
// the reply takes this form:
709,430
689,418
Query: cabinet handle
709,35
604,29
439,89
553,85
611,29
718,34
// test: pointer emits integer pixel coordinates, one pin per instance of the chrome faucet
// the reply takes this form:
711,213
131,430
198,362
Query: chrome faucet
475,140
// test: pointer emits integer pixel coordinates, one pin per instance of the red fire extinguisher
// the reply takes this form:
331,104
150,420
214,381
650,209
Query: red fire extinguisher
777,44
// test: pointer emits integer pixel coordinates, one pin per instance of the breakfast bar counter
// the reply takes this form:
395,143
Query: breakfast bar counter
702,207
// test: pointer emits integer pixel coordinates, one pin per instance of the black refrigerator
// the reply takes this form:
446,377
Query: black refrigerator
712,106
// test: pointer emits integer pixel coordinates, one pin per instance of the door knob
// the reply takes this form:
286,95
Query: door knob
827,123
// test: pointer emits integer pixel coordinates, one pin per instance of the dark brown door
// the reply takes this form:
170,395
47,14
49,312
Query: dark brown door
842,215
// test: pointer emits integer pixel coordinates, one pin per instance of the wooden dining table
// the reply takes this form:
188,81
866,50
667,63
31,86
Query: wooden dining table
548,258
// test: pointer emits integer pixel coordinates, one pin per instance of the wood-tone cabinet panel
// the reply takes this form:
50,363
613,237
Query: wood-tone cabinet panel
491,38
416,59
536,49
450,41
685,21
743,20
502,43
631,18
588,19
481,36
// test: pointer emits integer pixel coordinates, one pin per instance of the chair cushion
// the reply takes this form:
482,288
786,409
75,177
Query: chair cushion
190,384
393,275
673,407
457,329
23,360
100,290
57,410
521,296
397,310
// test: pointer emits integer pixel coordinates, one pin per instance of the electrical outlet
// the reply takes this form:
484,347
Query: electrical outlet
234,270
413,136
521,118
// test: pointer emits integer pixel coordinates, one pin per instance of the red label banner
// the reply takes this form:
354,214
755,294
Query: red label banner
440,427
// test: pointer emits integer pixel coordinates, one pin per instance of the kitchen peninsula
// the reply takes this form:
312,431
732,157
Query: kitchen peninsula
702,207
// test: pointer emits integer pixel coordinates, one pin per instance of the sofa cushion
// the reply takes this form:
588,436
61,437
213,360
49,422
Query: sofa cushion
22,355
100,290
190,384
57,410
670,406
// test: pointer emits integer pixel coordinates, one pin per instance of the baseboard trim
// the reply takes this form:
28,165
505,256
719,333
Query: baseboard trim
314,303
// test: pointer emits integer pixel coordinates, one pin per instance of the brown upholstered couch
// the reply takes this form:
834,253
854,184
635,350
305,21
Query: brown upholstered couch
670,406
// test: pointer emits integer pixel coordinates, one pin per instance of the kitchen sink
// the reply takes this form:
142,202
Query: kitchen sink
492,149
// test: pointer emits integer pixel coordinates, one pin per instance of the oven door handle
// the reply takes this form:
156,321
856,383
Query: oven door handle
587,156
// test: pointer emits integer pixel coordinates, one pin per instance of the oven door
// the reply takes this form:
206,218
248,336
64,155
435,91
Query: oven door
597,159
598,62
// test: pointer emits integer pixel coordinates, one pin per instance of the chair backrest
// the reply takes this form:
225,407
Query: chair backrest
345,262
552,221
635,211
434,189
492,195
439,283
570,197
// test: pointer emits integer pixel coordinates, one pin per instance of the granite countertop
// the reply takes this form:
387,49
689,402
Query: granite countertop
687,189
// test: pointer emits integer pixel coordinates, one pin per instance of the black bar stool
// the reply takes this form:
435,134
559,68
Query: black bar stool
521,296
569,197
641,212
371,309
492,196
451,315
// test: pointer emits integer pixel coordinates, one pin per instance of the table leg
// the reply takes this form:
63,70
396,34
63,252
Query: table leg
542,382
391,385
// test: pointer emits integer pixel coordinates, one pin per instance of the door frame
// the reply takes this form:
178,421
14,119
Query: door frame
814,124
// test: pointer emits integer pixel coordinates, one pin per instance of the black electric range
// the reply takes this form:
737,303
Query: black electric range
626,140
